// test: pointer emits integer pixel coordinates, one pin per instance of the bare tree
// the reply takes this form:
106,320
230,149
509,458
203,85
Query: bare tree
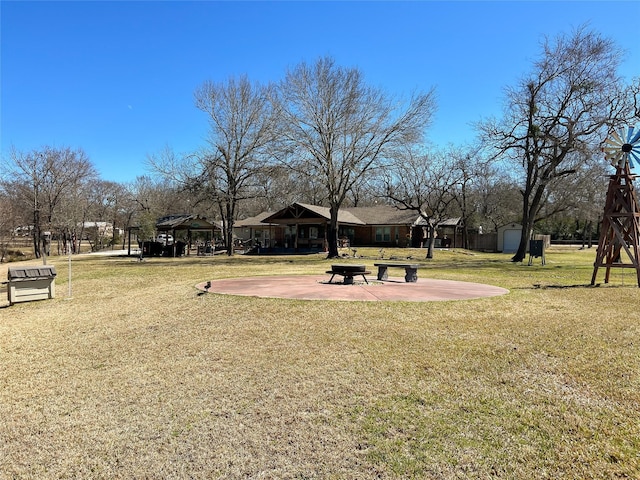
634,94
590,200
74,210
557,116
149,198
106,203
9,222
498,199
425,183
336,128
279,186
42,179
472,168
242,121
577,200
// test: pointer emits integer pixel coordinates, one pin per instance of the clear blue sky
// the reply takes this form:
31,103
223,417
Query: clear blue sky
117,78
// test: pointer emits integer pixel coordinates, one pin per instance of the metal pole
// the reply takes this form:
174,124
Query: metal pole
69,251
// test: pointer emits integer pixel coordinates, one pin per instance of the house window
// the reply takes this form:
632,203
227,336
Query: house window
383,234
313,233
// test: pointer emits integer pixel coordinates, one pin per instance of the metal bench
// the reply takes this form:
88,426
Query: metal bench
410,269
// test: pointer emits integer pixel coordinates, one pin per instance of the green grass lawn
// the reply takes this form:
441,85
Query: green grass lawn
136,375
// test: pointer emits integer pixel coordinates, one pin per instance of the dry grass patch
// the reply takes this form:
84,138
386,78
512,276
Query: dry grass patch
138,376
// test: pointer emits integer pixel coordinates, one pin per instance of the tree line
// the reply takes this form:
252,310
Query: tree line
322,135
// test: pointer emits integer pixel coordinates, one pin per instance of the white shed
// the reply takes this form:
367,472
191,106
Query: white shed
509,237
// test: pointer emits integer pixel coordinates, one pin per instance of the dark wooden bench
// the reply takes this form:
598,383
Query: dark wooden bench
410,269
348,272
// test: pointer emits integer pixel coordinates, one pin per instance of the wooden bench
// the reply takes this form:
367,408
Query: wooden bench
410,269
348,272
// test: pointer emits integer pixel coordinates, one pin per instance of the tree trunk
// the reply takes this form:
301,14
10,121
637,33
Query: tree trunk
36,244
432,241
227,224
229,237
332,238
465,236
531,205
521,254
37,235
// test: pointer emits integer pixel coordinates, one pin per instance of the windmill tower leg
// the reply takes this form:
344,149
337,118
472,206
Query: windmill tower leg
620,232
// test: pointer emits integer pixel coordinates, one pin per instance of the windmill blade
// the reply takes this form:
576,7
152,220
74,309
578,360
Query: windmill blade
633,138
634,156
611,148
623,147
614,140
629,134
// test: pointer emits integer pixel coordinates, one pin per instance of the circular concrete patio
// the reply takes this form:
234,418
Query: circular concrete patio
314,287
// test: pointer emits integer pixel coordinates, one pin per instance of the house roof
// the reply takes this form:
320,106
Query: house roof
383,215
378,215
304,210
257,221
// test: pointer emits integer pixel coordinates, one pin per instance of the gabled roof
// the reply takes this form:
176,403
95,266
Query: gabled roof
344,216
185,222
304,210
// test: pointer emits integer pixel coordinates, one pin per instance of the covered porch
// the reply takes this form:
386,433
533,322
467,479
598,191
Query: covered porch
304,228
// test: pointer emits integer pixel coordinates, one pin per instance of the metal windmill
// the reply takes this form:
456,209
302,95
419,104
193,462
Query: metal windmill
620,229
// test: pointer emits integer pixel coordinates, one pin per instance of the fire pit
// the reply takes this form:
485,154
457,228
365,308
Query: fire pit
348,272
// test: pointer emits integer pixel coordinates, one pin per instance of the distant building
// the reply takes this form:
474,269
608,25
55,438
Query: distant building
509,237
101,229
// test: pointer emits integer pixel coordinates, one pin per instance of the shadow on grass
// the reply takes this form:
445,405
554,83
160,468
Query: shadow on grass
540,286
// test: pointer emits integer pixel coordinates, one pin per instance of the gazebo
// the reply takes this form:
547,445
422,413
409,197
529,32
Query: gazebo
190,223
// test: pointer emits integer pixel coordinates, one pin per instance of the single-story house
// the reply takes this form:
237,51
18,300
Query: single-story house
302,227
384,226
